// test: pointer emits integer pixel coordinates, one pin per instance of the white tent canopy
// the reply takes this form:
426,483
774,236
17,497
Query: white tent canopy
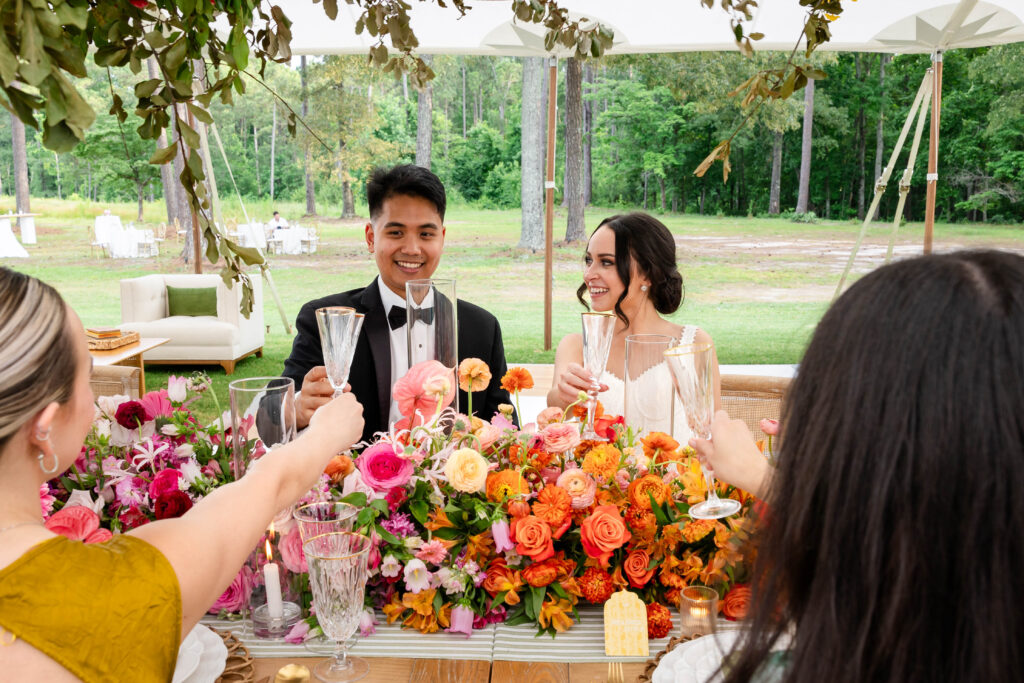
489,28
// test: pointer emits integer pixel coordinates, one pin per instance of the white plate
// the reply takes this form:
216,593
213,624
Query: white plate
188,657
695,660
213,658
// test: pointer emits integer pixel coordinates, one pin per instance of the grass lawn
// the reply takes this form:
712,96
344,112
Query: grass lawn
757,285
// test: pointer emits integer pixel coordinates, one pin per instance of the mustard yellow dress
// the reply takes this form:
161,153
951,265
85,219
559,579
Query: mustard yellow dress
104,611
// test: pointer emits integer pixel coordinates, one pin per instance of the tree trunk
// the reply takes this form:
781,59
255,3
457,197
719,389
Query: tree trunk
531,234
273,146
588,133
644,176
140,190
463,101
56,161
167,177
862,143
310,196
575,230
21,192
661,191
805,149
256,155
776,188
879,139
348,202
424,123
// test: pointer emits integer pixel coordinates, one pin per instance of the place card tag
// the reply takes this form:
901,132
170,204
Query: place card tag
625,626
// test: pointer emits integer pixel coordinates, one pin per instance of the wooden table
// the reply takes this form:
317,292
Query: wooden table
130,354
393,670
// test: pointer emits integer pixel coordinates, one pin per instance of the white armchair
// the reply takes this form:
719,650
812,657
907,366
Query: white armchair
194,340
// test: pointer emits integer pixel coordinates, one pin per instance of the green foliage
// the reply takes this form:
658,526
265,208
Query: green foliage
503,186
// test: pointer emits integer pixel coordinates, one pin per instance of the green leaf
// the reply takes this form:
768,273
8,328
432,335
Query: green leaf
147,88
156,39
111,55
537,598
190,135
59,138
174,55
331,8
164,155
420,510
387,535
355,498
200,113
249,255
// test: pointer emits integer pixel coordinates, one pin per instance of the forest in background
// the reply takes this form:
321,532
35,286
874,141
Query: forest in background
647,121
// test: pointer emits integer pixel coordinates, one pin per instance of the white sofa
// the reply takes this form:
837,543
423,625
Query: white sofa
194,340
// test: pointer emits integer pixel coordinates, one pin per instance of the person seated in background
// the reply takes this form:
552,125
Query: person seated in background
406,237
891,546
277,222
116,610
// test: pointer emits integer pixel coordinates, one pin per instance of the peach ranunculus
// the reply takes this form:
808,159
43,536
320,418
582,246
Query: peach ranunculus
532,537
640,491
427,389
736,602
466,471
540,574
516,380
548,416
580,486
603,533
635,568
474,375
560,437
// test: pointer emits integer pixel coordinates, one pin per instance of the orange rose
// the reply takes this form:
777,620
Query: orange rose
474,375
540,574
603,533
532,537
636,569
648,484
736,602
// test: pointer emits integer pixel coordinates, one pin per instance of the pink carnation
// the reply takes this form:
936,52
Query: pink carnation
560,437
382,468
164,483
421,387
236,597
292,555
433,552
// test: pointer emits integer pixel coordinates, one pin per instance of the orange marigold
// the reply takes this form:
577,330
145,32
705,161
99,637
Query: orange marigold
602,461
505,484
659,621
596,585
641,521
660,444
697,529
553,505
517,379
640,491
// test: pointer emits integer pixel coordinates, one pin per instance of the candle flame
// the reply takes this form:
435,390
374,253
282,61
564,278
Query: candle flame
270,554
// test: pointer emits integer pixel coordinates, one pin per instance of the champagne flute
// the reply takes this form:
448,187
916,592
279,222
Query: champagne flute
598,330
693,377
337,574
339,332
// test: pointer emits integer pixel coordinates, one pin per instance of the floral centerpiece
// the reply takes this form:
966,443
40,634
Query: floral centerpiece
473,521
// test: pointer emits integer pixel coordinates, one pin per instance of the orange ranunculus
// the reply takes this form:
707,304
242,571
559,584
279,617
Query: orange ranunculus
640,491
532,537
736,602
636,569
553,505
505,484
602,461
339,467
518,508
603,532
516,380
657,443
474,375
515,454
540,458
540,574
556,612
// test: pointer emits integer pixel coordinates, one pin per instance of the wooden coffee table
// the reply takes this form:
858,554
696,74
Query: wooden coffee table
130,354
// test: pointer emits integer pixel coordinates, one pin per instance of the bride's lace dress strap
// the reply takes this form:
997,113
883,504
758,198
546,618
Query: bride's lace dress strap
688,334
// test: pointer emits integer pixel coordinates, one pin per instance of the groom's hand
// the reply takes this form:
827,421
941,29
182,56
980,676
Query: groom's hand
316,391
574,380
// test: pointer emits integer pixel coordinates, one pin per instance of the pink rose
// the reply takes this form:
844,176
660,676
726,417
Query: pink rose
382,468
292,555
421,387
560,437
770,427
76,522
164,482
236,597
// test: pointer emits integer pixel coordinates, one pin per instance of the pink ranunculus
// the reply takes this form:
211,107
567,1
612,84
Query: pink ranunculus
76,522
560,437
487,434
383,468
549,415
164,482
581,487
502,422
770,427
462,620
502,542
420,388
292,555
236,597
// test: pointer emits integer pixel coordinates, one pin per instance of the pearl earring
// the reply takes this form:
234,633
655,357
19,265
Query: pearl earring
643,288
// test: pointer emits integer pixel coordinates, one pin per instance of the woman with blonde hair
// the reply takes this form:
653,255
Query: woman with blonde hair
116,610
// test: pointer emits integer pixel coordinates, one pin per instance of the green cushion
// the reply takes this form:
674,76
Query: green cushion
192,301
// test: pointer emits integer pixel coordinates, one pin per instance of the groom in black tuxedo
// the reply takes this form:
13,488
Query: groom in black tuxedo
406,236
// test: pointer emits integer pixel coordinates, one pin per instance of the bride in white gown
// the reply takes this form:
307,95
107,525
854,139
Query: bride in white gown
630,269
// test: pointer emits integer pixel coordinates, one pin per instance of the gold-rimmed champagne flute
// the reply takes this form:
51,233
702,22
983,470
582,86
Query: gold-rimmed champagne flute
598,330
339,332
692,371
337,575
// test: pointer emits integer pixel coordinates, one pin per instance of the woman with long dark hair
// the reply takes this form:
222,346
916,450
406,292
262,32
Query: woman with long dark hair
629,269
892,549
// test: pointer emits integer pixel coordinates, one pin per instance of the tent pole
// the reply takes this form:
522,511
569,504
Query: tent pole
933,153
549,199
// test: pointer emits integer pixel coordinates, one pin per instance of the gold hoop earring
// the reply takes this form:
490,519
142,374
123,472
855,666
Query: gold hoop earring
44,468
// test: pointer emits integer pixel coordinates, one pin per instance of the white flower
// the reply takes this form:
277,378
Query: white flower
184,450
108,404
146,452
103,427
190,471
169,430
413,542
176,389
417,578
84,498
390,566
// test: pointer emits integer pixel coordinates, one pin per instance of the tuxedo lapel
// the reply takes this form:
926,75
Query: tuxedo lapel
375,326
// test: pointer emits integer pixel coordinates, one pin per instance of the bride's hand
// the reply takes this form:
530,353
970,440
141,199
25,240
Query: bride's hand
574,380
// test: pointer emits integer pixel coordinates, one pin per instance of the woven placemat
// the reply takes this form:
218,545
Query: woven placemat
114,342
240,667
652,663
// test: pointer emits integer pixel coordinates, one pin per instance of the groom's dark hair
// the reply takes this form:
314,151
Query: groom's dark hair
408,180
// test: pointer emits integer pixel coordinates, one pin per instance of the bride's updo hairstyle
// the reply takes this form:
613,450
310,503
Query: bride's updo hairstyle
643,238
37,358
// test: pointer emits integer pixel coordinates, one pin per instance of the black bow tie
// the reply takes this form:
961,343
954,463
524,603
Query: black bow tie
398,316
